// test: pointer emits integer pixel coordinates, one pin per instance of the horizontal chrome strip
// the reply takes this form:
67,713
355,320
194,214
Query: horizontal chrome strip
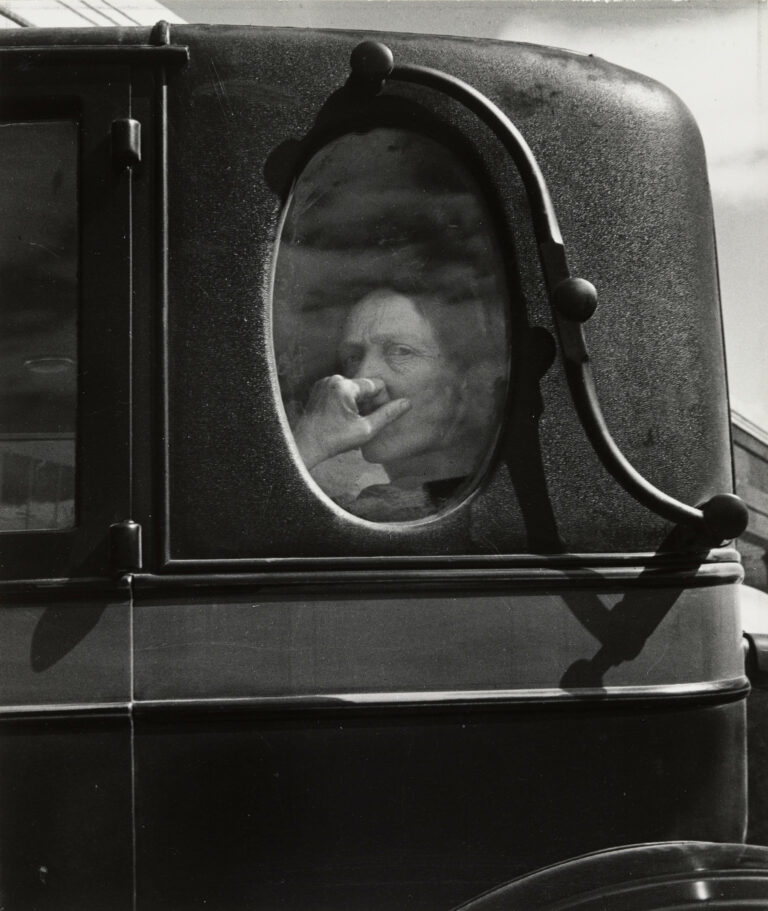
716,690
71,711
634,558
540,577
63,588
718,566
734,686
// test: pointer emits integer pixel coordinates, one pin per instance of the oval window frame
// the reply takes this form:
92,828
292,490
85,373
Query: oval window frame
285,168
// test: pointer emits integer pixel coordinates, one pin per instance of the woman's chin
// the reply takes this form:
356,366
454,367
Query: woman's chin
377,453
399,461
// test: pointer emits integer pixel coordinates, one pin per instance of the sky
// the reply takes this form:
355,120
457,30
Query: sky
712,53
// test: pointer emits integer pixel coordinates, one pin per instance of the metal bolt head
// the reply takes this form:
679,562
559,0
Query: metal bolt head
726,516
575,298
372,60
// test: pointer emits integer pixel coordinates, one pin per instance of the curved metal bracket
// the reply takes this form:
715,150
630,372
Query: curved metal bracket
573,300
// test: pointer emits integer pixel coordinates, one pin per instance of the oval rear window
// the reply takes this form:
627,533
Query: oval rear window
389,325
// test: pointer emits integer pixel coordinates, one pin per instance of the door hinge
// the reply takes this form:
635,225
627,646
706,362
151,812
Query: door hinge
126,142
125,547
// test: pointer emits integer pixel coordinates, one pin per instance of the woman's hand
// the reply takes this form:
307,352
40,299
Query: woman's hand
343,414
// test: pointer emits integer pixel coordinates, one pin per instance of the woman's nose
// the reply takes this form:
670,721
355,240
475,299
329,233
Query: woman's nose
372,368
371,365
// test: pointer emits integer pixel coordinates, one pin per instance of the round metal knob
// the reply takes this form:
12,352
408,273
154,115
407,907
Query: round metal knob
726,516
372,60
575,298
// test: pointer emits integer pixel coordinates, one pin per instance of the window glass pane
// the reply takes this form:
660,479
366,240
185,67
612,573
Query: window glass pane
38,324
389,323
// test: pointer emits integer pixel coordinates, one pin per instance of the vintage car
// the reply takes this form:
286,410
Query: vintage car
353,554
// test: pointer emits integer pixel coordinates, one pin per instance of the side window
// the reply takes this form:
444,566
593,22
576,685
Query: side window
65,314
389,325
39,271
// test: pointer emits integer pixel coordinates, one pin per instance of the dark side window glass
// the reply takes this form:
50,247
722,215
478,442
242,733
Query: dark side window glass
38,324
389,324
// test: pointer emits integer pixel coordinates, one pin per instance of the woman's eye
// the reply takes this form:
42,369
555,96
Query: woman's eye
400,351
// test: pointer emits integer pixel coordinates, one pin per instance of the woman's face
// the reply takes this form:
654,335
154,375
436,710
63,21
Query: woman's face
386,336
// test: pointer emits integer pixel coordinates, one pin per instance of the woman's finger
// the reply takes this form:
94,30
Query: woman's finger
367,387
386,414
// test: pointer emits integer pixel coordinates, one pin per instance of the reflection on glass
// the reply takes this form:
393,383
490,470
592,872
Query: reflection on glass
38,324
389,324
